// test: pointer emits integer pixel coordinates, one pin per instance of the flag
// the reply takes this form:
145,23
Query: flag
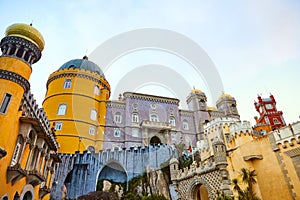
190,149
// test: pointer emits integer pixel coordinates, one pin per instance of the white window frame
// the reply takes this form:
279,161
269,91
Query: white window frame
15,156
92,130
68,83
58,126
93,114
185,125
172,121
5,103
154,118
135,132
118,117
276,121
117,132
62,109
96,89
135,117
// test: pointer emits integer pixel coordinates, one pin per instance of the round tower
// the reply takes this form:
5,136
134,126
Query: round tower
21,47
227,104
75,104
197,100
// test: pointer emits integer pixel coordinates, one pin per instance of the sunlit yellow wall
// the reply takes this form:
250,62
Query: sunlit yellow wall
270,179
80,99
9,124
289,166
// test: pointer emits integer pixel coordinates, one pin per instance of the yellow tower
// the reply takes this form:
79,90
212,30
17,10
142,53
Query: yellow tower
21,47
75,103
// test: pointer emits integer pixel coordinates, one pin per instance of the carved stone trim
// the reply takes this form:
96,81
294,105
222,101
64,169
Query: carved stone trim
80,75
2,153
11,76
153,98
253,157
11,41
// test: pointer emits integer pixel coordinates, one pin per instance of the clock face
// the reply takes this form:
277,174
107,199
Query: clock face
269,106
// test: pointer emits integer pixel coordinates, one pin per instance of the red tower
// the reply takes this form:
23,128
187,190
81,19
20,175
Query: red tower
269,116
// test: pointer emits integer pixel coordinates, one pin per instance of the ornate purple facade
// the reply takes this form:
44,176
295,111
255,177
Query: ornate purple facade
140,119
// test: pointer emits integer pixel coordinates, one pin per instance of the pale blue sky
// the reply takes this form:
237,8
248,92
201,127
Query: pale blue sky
255,45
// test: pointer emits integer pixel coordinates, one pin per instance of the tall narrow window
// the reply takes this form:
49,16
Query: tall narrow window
62,109
92,130
172,121
135,117
118,117
58,126
5,103
185,125
94,114
96,90
15,157
68,83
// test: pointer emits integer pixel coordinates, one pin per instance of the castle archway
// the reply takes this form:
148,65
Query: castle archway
200,193
155,140
112,171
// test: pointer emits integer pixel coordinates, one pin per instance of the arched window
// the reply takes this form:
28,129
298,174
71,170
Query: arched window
62,109
276,121
92,130
17,152
68,83
154,118
93,114
172,121
117,132
96,90
135,117
118,117
91,149
58,126
185,125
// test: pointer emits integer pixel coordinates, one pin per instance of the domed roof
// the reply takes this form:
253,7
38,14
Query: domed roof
83,64
27,32
196,91
225,96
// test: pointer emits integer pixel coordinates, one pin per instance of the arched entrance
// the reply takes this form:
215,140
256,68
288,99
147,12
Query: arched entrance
28,196
113,172
200,193
155,140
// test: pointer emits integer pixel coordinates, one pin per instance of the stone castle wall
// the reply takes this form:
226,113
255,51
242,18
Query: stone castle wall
80,172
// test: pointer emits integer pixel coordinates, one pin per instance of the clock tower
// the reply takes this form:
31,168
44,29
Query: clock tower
269,117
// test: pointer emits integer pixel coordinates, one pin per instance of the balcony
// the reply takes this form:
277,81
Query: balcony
15,173
34,177
156,125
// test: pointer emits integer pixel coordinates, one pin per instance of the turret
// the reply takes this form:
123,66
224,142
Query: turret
21,47
227,104
75,103
219,150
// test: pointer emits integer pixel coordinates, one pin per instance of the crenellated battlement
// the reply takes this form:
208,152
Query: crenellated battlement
286,135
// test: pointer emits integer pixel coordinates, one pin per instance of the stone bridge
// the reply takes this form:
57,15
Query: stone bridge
80,172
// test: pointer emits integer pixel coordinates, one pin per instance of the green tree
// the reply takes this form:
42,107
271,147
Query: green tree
249,179
223,196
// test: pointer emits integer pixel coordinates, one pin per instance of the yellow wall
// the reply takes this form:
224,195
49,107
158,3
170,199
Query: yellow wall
80,99
270,179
